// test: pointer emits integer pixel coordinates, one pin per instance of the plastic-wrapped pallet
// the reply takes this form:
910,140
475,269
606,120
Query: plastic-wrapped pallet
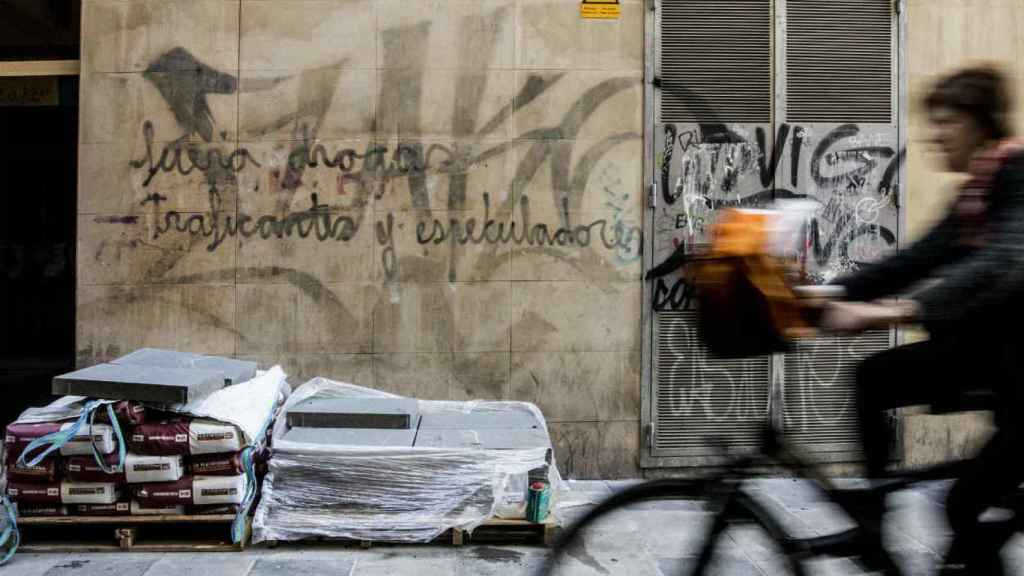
244,412
397,494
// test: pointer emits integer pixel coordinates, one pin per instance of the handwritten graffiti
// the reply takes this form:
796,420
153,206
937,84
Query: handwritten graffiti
850,172
457,230
218,225
363,173
185,157
704,391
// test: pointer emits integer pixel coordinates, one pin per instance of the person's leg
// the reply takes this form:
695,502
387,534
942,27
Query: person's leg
892,379
994,474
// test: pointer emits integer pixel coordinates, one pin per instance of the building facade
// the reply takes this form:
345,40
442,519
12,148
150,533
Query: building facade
457,199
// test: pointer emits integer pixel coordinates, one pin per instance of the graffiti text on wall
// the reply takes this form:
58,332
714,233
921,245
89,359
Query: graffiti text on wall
363,173
851,172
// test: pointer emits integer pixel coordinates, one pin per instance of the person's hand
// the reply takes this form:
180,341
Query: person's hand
860,316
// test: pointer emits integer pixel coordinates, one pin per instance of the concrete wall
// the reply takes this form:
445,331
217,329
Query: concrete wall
944,35
438,198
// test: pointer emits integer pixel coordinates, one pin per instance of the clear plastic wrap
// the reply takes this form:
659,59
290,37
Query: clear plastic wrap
408,494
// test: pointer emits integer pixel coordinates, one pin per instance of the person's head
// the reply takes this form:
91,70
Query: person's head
968,110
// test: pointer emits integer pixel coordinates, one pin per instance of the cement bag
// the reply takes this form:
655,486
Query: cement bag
89,493
140,509
18,436
122,508
169,437
30,510
128,414
141,469
86,469
86,437
214,509
45,472
34,494
189,490
185,436
218,464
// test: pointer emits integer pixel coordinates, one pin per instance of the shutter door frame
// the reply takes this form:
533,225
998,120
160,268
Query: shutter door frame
651,457
844,447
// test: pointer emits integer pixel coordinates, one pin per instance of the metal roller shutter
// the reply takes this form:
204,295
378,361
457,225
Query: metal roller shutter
839,61
715,58
700,398
819,393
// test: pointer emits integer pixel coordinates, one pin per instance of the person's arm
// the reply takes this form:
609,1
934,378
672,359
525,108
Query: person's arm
995,271
889,276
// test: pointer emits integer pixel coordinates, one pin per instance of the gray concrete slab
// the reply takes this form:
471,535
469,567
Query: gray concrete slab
235,371
484,438
388,413
140,383
480,418
379,437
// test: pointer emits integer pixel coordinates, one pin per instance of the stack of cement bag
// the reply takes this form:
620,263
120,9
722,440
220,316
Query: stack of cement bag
137,456
355,463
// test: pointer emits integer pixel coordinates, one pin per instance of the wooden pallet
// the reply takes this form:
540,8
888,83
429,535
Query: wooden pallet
494,531
184,533
499,530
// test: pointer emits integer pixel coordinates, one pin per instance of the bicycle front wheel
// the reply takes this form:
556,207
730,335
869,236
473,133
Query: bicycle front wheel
684,527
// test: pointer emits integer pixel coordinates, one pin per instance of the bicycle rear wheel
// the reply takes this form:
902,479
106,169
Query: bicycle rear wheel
707,553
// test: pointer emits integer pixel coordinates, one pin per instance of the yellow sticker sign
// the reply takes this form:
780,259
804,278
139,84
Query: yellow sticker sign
600,9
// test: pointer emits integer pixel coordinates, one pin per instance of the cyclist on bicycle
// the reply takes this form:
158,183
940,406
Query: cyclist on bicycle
974,259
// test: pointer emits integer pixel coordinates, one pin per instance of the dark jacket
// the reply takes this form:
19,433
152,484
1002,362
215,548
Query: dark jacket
973,309
973,286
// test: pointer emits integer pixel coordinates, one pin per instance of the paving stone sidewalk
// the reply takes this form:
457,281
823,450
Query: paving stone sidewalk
656,538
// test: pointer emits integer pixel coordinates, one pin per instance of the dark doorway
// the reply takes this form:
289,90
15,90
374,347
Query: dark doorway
38,167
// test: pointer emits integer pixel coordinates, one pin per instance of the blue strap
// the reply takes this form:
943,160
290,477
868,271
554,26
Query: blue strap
238,527
11,537
122,450
55,440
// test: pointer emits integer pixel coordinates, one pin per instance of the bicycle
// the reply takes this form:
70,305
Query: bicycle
723,493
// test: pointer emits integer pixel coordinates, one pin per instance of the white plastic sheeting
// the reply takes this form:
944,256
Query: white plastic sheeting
407,494
248,405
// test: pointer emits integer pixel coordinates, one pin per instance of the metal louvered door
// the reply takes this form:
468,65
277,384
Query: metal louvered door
756,100
837,101
713,126
703,401
819,393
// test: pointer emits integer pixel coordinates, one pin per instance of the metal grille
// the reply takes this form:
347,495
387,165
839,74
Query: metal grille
819,391
699,397
839,61
716,61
